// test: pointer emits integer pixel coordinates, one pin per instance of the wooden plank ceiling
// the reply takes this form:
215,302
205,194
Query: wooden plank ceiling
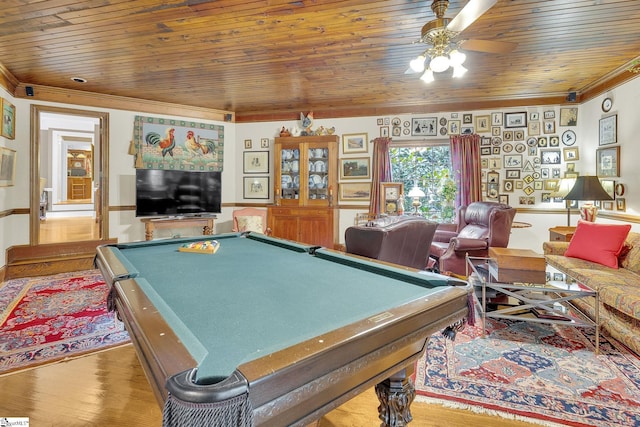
275,58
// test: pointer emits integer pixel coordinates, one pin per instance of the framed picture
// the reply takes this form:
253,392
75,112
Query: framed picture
608,162
607,205
256,187
512,173
551,184
247,144
8,128
264,143
424,126
384,131
482,123
534,116
569,116
454,127
390,194
355,143
534,128
512,160
515,120
467,118
621,204
256,162
549,114
355,191
570,154
493,177
496,119
608,130
503,198
7,167
550,157
356,168
549,126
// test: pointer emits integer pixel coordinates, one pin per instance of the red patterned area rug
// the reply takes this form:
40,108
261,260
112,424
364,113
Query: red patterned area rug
52,318
537,372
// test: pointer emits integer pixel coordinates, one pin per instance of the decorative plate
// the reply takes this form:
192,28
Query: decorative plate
607,104
569,137
521,148
532,142
507,148
443,121
496,140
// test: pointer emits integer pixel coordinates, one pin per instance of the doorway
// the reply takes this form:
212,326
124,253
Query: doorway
69,167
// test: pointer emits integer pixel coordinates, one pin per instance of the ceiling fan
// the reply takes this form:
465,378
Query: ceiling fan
441,37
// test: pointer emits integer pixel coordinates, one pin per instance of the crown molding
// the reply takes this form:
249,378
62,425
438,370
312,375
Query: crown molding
92,99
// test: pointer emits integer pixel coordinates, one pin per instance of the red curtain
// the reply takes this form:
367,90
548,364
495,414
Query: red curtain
465,159
380,171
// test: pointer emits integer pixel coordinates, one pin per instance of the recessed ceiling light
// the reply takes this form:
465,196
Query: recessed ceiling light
79,79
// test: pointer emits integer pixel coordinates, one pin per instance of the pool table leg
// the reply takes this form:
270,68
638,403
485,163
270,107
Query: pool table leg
395,395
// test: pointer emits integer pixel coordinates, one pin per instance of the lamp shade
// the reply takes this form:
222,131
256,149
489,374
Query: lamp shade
416,192
564,186
587,188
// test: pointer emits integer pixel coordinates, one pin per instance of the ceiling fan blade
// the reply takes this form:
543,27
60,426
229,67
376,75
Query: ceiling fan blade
490,46
472,11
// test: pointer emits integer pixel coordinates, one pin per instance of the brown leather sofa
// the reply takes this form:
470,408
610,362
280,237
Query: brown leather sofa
403,240
480,225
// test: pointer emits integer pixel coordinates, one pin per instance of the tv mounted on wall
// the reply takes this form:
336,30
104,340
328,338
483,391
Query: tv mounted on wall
175,193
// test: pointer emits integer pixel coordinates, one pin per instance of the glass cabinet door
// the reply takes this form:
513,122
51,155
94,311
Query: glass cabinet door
318,164
290,173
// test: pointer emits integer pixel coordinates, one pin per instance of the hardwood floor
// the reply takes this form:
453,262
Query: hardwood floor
58,230
109,388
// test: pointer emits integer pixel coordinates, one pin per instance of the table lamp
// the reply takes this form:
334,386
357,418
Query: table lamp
588,188
564,186
416,194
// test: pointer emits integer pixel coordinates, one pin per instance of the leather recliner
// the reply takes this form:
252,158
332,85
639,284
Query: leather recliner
403,240
480,225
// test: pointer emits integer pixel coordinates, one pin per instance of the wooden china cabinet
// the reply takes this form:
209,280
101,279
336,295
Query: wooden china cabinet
305,190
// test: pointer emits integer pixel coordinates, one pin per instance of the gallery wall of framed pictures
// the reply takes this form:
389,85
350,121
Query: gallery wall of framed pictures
530,150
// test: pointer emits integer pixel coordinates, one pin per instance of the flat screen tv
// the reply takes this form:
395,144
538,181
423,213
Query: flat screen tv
177,193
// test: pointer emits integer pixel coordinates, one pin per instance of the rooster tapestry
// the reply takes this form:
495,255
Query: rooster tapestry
177,144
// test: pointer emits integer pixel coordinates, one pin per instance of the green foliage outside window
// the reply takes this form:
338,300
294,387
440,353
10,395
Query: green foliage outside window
429,168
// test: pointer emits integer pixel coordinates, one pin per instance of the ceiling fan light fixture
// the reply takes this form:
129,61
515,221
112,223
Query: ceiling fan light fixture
458,71
427,77
439,64
417,64
456,57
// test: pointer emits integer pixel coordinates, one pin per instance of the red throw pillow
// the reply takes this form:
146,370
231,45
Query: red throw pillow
601,243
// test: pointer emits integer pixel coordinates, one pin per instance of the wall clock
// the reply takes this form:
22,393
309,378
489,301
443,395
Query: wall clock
569,137
607,104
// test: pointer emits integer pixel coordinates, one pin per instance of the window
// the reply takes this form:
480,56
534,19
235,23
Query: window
427,165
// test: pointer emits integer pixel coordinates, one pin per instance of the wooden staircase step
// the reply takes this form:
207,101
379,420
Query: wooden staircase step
51,258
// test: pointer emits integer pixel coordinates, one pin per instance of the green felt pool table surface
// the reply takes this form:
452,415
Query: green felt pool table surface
259,296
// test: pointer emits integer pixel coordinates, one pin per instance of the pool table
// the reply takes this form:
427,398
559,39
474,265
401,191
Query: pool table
269,332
